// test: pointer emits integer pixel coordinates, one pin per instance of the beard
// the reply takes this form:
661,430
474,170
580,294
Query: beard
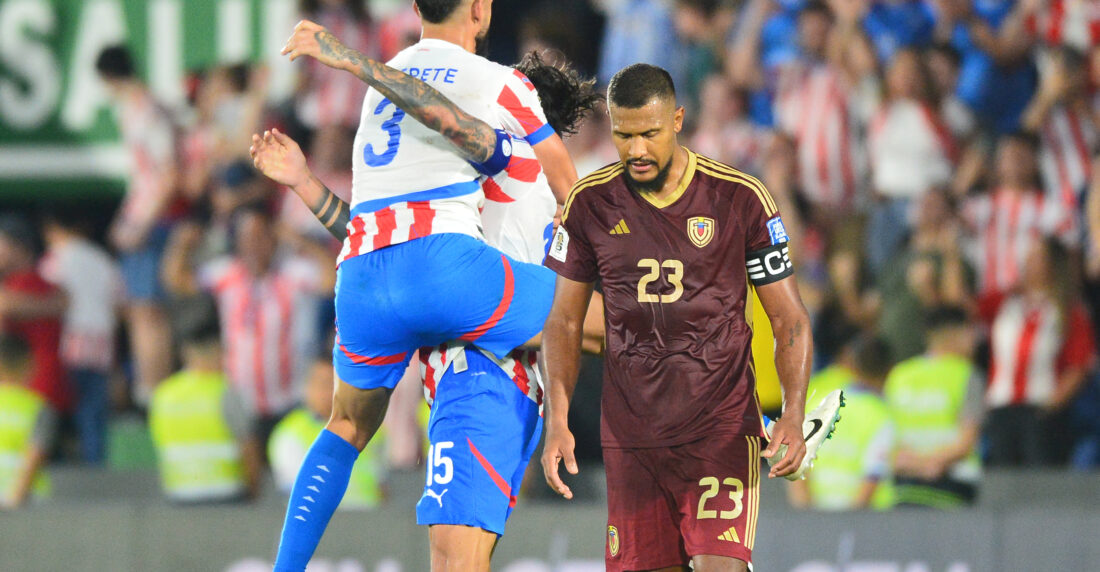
652,186
481,45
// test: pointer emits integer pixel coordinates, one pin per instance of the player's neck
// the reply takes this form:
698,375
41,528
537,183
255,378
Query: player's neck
448,33
675,173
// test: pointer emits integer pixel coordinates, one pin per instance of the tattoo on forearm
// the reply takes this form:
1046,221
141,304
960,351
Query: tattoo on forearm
474,137
333,213
794,332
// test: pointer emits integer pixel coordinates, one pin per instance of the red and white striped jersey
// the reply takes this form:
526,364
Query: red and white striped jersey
408,181
1031,345
1074,23
911,150
519,214
334,97
1006,225
520,365
267,327
1069,139
149,136
815,108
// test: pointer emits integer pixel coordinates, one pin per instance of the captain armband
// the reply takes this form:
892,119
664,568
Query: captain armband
502,155
769,264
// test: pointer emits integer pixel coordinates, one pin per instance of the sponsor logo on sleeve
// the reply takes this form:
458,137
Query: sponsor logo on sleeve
776,230
560,248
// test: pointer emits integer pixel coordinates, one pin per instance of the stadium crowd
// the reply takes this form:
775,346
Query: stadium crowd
937,163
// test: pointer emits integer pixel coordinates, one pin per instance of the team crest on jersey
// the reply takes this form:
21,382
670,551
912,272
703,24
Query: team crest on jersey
700,230
613,541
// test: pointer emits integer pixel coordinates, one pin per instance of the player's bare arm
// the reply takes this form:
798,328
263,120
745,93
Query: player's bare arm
562,338
793,358
280,159
474,138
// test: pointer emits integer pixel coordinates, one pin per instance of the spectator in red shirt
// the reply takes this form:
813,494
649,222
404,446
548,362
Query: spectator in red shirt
30,309
1042,349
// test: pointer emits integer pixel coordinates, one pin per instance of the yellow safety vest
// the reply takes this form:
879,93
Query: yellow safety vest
198,455
838,472
302,428
19,411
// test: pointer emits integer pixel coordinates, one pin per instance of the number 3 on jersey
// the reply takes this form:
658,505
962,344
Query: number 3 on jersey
392,126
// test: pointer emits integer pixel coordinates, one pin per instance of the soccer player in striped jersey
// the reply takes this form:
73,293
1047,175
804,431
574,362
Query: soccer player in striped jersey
677,240
508,436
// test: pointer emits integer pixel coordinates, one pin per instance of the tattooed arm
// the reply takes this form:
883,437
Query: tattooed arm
475,138
793,354
280,159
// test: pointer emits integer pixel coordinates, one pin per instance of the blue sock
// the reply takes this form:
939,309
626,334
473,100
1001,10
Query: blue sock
317,492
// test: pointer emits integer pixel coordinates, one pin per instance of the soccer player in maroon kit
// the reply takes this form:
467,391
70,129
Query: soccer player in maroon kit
674,238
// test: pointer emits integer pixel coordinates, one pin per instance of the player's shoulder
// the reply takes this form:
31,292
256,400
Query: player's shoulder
593,183
731,179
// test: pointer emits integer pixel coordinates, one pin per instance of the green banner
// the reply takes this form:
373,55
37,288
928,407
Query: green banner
57,131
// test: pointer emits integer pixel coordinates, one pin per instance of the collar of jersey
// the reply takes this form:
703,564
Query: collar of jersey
438,43
685,180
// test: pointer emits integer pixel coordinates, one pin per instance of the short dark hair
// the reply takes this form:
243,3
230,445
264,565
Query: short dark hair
436,11
14,352
873,356
1029,139
565,95
202,333
816,7
943,317
115,62
637,84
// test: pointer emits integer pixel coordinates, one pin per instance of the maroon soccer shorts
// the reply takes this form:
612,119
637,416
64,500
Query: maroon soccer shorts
668,504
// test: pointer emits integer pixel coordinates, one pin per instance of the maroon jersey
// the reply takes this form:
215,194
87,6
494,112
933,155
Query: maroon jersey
678,361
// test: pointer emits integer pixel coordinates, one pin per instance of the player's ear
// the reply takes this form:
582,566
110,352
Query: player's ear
416,8
477,11
678,119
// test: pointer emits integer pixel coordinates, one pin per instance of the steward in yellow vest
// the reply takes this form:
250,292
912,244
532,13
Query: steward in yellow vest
27,428
936,402
295,433
854,469
205,450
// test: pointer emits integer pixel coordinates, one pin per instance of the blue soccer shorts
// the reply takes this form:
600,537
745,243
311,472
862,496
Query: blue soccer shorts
483,430
427,291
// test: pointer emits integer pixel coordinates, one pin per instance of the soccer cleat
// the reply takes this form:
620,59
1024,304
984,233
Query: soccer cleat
818,426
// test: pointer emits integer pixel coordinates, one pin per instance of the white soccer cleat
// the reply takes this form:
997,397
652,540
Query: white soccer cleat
818,426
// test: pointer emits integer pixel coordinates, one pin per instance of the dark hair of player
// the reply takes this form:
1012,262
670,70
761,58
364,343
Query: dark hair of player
565,95
436,11
115,62
14,352
873,357
636,85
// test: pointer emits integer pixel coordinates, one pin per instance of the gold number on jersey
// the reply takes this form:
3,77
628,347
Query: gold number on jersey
737,494
675,277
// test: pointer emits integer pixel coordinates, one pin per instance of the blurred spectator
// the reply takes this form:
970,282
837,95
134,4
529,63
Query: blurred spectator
724,131
996,77
140,229
943,67
266,298
1006,221
92,283
936,402
328,97
851,303
701,26
930,272
1042,348
823,101
910,150
293,436
840,374
893,25
28,430
854,471
590,147
30,309
639,31
206,451
1061,115
1073,23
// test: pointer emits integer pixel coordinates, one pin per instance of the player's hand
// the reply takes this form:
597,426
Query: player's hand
559,446
279,158
786,431
313,40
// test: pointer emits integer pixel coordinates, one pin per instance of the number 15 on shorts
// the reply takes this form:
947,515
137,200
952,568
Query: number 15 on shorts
440,467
